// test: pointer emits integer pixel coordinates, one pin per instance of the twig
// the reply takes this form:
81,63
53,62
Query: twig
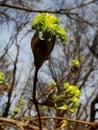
34,97
68,119
65,11
93,127
5,113
41,11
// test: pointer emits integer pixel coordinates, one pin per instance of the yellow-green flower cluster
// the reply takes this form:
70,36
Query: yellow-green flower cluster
53,83
16,110
68,99
1,77
49,24
76,62
3,84
21,101
71,90
44,21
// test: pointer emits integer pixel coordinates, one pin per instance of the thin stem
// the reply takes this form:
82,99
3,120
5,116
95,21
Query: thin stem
34,97
35,83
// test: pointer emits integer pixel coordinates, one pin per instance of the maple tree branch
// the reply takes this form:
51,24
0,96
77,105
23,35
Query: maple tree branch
63,118
31,10
17,124
93,127
66,11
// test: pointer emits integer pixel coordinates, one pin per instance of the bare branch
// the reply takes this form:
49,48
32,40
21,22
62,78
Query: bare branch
93,127
19,124
68,119
66,11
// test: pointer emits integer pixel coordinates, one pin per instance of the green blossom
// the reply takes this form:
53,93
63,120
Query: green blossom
76,62
48,25
74,99
22,101
65,86
53,83
1,77
1,82
6,83
16,110
68,99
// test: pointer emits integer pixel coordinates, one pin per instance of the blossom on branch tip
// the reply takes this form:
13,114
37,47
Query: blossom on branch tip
48,25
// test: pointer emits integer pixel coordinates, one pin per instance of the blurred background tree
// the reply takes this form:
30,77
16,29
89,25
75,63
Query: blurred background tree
80,20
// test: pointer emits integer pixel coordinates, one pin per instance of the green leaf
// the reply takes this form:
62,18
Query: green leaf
53,83
43,107
64,122
59,98
64,107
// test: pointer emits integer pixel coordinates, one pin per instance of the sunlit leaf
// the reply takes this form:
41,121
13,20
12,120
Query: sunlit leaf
64,122
64,107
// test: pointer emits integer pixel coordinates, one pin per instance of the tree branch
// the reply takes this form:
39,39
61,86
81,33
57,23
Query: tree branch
65,11
93,127
5,113
68,119
18,124
31,10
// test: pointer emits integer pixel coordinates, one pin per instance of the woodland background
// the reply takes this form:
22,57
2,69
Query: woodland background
80,20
